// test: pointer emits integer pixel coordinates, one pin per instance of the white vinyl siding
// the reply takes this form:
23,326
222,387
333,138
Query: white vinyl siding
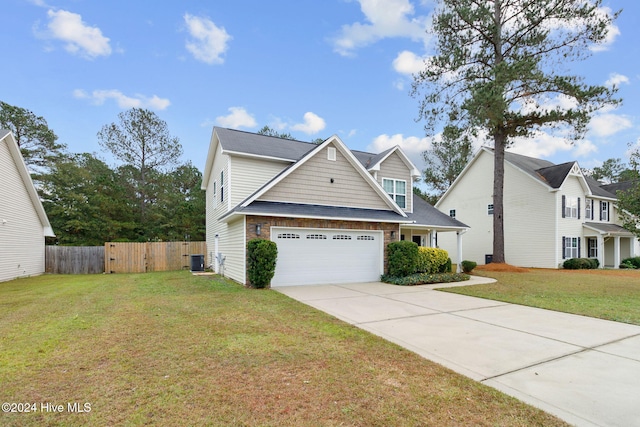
572,188
394,168
529,216
249,174
22,235
323,182
235,250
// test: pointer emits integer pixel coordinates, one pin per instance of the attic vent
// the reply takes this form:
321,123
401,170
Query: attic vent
341,237
317,236
288,236
331,154
366,238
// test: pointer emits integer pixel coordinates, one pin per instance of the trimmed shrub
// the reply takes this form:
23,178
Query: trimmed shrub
635,262
580,264
431,260
468,266
424,279
446,268
402,258
261,262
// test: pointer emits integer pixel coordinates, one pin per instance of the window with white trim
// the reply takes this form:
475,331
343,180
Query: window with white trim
215,194
331,154
571,247
571,206
490,209
593,247
222,186
588,209
397,190
604,211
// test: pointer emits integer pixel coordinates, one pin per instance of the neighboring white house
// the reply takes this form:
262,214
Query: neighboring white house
330,210
23,221
551,213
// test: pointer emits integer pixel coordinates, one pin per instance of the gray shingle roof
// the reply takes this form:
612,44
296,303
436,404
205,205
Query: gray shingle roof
608,228
619,186
3,133
318,211
425,214
551,174
262,145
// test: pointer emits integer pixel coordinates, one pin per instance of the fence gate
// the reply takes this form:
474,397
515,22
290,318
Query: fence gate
153,256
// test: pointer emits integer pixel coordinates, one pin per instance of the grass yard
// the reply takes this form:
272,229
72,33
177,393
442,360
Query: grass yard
175,349
605,294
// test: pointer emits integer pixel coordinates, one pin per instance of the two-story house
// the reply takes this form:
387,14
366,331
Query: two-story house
551,213
330,210
23,221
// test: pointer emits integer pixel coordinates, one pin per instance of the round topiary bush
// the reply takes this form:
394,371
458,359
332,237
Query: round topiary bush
468,266
261,262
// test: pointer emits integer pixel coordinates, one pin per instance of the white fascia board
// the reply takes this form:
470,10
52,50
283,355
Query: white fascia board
329,218
397,149
462,174
208,166
350,158
18,160
257,156
581,178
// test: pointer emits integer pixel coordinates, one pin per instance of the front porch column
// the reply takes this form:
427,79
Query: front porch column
459,235
616,252
601,250
632,247
432,236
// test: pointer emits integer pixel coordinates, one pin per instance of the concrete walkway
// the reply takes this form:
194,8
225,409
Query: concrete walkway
583,370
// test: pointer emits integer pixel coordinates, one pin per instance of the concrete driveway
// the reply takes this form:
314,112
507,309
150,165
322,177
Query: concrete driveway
583,370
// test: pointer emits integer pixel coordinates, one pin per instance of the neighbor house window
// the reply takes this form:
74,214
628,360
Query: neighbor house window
222,186
593,248
604,211
490,209
452,213
215,194
571,247
397,190
570,207
588,209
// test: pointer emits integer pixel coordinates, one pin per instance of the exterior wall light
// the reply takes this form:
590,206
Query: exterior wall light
258,229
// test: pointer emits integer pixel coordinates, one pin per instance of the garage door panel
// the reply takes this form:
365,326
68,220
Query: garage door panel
312,256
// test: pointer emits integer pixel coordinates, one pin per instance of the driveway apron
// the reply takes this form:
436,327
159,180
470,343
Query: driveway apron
583,370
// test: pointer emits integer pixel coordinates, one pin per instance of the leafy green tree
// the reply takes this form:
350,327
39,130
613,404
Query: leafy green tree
141,140
497,65
84,201
36,140
266,130
446,158
629,200
609,171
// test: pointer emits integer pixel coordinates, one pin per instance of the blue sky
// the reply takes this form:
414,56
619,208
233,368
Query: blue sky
308,67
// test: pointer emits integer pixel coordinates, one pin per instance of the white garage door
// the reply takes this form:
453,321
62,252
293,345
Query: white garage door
318,256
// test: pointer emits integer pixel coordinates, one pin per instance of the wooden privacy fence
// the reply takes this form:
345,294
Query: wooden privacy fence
153,256
74,259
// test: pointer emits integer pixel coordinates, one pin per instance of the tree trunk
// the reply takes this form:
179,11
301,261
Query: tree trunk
498,193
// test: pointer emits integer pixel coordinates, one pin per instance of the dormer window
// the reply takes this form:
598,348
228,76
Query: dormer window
397,190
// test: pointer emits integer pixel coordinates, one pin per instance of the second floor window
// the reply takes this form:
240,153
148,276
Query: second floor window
222,186
588,209
570,207
397,190
490,209
452,213
604,211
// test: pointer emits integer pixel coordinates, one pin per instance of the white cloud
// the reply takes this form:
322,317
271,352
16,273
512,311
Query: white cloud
385,18
612,32
543,145
239,118
208,41
616,79
408,63
608,124
79,37
412,146
98,97
312,124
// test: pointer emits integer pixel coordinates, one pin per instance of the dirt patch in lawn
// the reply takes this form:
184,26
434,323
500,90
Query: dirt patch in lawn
502,267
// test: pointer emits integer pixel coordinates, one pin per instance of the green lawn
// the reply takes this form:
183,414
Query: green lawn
175,349
606,294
